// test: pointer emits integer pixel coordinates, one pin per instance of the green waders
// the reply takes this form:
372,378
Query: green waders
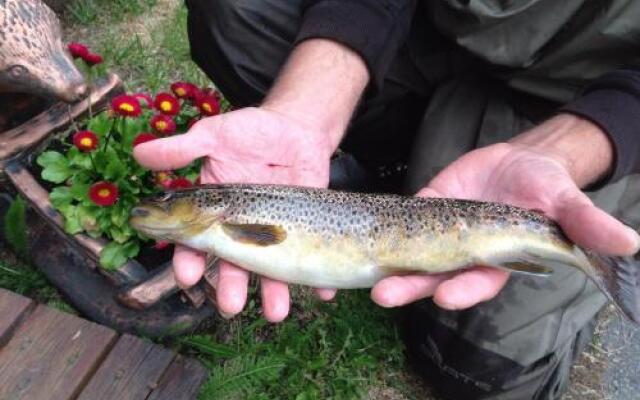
473,73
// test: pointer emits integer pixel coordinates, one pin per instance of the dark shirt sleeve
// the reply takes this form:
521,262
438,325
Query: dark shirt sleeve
613,103
375,29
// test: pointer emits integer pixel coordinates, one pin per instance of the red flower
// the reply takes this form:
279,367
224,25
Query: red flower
85,140
103,193
184,90
208,105
163,178
163,124
78,50
127,106
144,99
180,182
209,92
167,104
198,181
143,138
161,244
92,59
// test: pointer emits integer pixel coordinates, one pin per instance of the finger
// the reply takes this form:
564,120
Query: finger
398,291
326,294
592,228
428,192
275,299
470,287
232,288
188,266
175,151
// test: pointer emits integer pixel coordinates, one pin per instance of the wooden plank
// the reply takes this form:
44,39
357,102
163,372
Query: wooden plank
51,356
130,371
13,307
181,381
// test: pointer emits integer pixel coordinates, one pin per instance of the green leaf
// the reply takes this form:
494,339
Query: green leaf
115,169
118,234
80,190
15,227
119,217
131,249
79,159
87,217
61,196
71,221
113,256
56,167
100,124
131,128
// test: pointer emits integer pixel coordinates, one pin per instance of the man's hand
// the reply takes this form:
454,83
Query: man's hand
541,169
249,145
288,140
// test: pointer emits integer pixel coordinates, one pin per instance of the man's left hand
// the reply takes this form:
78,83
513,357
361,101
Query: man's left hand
541,169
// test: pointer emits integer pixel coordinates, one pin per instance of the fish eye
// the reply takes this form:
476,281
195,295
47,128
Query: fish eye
18,71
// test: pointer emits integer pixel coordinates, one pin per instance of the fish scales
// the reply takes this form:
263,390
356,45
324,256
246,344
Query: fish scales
362,213
335,239
388,227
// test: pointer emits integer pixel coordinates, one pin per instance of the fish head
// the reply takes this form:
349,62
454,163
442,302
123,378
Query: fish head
176,216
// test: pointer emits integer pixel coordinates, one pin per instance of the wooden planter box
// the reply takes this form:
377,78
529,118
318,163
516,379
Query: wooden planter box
136,298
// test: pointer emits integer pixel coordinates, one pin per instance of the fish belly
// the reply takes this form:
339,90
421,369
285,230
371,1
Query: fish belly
305,259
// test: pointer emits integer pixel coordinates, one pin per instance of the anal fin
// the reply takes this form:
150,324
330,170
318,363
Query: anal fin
525,263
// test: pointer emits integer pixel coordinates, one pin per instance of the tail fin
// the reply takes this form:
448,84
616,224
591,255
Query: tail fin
619,280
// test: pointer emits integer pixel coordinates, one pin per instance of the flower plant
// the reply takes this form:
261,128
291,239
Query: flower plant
96,179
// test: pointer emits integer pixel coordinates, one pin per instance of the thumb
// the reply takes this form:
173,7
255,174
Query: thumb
592,228
175,151
428,192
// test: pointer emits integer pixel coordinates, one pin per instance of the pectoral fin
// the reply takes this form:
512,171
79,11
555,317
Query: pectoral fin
256,234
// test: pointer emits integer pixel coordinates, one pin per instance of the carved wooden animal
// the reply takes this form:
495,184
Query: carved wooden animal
33,59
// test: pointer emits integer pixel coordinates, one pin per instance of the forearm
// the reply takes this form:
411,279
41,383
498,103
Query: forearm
581,146
320,84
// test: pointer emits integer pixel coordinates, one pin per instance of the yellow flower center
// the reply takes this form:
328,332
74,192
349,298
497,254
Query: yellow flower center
104,193
207,107
127,107
166,106
86,142
181,92
161,125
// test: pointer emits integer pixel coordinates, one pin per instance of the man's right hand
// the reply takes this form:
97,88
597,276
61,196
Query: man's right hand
251,145
288,140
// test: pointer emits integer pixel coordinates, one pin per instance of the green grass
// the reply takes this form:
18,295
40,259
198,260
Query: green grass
20,277
16,274
323,351
150,61
86,12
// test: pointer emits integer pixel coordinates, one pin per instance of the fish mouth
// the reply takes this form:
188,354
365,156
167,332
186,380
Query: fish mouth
153,221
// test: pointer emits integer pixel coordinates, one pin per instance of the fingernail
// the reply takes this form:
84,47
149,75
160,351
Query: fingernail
226,315
636,239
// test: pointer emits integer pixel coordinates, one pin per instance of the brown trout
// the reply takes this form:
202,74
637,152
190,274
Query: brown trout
331,239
